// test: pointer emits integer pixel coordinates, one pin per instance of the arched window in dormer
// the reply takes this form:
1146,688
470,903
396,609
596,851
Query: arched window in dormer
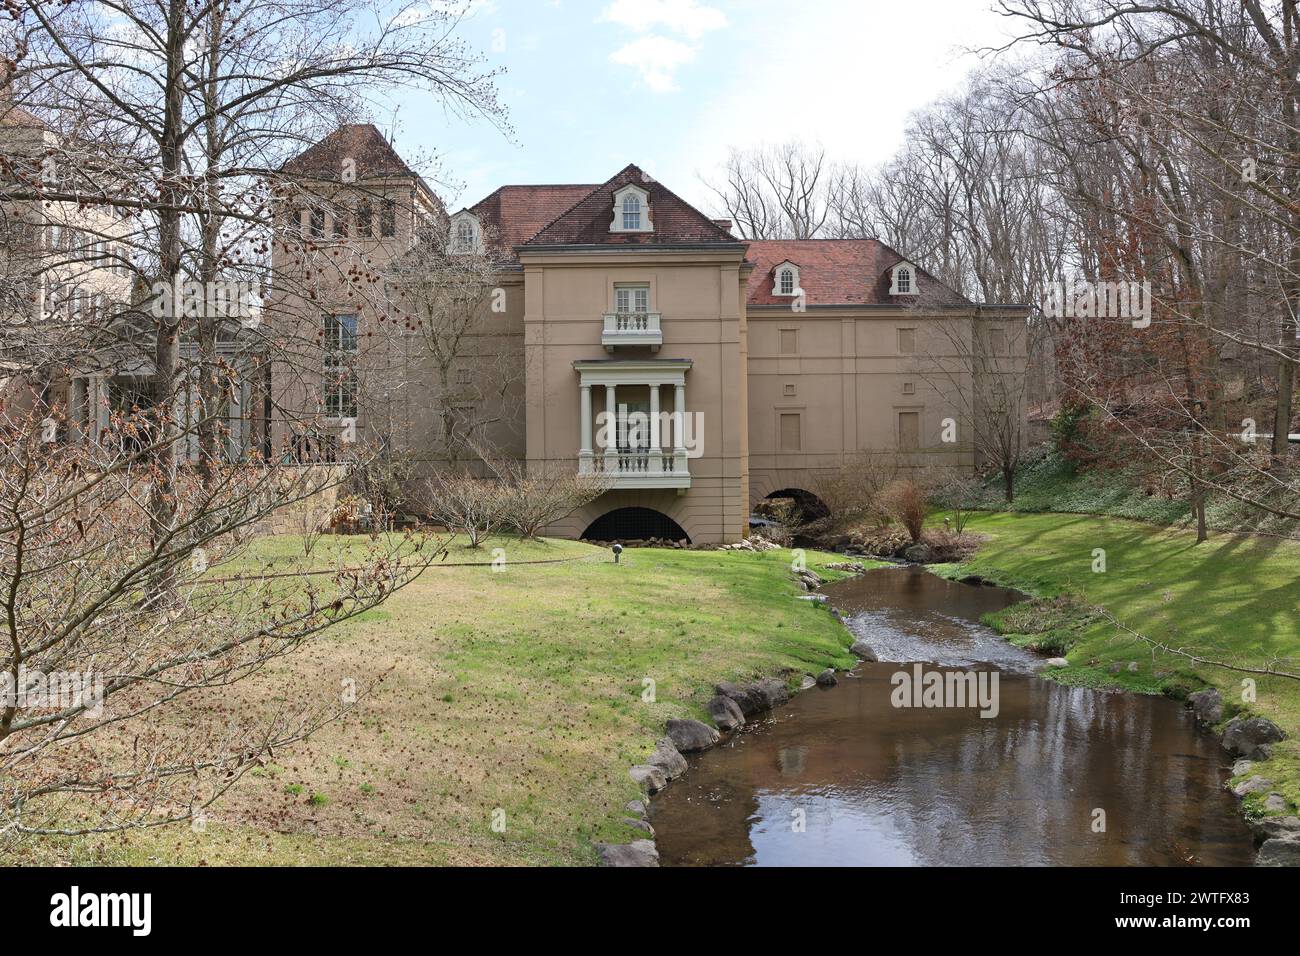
466,233
785,279
902,280
632,212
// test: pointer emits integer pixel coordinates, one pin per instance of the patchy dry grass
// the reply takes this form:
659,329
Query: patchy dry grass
520,690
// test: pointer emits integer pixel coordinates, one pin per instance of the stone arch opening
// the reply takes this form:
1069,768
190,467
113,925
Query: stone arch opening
807,504
635,524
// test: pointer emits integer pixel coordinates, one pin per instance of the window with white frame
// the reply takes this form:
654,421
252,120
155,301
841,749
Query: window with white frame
466,236
340,370
631,211
631,298
786,281
903,280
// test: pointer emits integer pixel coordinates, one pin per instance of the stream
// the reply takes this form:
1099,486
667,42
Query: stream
1057,776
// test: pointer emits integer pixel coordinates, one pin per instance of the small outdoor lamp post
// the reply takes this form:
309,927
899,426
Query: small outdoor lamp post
617,549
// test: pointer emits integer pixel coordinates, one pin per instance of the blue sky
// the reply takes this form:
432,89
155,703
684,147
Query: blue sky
669,84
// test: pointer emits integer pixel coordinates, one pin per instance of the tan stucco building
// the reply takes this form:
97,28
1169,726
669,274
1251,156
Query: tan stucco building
734,369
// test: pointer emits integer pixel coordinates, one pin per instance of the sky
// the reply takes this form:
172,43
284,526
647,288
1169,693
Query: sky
592,85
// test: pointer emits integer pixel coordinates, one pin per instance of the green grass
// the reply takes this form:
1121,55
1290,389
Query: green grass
520,690
1233,598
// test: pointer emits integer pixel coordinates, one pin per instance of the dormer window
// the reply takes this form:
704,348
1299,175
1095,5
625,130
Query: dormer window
466,234
786,281
631,211
903,280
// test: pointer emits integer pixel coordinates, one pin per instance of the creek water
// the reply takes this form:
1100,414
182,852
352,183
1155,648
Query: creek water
1060,776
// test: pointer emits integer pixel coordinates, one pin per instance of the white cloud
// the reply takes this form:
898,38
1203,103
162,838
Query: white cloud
685,17
656,58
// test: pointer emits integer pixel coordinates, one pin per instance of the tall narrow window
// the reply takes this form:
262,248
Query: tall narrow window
791,439
787,282
388,219
904,281
909,431
340,366
464,236
906,341
365,221
318,223
632,212
789,344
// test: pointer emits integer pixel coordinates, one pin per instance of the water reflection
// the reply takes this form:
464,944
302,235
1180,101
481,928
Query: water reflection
883,786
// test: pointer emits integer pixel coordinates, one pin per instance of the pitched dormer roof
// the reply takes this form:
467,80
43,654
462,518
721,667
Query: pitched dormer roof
838,272
587,221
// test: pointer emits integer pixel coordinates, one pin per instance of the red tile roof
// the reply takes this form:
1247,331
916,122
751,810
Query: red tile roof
515,213
674,219
837,272
374,156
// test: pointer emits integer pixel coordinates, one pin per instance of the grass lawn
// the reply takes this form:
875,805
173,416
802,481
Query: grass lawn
1234,598
520,690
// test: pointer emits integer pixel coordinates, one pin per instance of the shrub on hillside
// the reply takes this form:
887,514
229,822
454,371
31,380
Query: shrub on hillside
905,501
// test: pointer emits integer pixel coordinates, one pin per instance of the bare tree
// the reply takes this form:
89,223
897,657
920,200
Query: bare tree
775,192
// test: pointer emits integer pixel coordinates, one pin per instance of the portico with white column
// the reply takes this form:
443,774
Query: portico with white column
628,440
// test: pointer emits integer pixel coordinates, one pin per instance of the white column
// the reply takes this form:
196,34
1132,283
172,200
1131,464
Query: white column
611,428
656,459
585,449
679,443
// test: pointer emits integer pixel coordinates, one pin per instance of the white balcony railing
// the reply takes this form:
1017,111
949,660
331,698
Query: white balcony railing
632,328
639,468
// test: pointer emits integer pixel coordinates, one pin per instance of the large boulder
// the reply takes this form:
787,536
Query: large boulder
1255,784
636,853
1207,705
827,678
667,758
862,650
648,777
1251,737
1275,828
745,696
1279,852
637,823
773,692
726,713
691,736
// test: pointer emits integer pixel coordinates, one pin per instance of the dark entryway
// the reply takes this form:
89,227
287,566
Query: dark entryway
635,524
810,507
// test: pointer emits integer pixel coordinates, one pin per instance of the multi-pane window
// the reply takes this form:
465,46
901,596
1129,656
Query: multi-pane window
787,282
631,212
340,366
365,221
632,298
388,219
904,281
464,236
317,219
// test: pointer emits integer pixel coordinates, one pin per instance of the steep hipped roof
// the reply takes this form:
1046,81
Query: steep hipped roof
838,272
674,219
514,214
374,156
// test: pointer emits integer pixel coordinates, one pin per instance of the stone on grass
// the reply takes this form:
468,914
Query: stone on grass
1207,705
648,777
745,696
772,692
807,681
862,650
1057,662
827,678
667,759
1275,828
636,853
1279,852
1255,784
638,824
635,806
1242,767
1251,736
1275,803
726,713
691,736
